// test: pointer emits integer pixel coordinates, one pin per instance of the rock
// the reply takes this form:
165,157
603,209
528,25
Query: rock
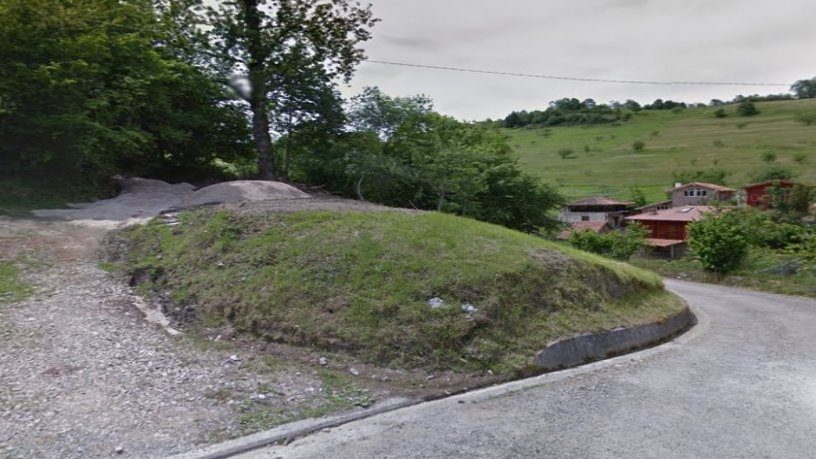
323,361
119,450
436,302
468,308
429,377
354,371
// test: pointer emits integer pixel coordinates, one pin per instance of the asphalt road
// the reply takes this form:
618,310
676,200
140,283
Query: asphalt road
740,384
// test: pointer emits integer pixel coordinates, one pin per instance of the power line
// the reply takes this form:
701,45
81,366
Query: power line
568,78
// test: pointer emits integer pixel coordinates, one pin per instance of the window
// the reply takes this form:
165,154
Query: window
584,218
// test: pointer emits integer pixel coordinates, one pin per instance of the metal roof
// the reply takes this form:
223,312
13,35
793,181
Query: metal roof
675,214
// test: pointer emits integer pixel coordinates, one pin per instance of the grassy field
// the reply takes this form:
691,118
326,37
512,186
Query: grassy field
360,283
11,287
605,163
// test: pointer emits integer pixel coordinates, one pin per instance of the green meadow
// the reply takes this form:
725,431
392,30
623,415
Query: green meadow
604,162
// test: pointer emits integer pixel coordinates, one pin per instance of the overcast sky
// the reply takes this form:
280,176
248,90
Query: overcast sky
769,41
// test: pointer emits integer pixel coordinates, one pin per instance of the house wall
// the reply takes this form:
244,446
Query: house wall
569,216
755,196
698,196
666,229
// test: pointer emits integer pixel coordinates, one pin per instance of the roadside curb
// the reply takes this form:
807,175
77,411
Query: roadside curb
588,347
289,432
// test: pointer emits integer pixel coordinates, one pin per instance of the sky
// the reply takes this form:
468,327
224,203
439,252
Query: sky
755,41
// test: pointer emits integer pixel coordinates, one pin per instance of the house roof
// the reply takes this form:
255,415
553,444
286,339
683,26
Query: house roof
675,214
710,186
597,227
599,201
770,183
651,242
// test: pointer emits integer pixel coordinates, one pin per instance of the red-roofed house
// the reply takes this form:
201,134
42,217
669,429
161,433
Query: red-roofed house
756,195
667,228
698,194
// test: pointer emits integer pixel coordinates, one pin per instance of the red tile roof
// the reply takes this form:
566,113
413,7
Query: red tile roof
597,227
710,186
675,214
770,183
600,201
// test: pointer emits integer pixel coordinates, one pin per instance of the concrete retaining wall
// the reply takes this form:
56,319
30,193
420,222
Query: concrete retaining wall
580,349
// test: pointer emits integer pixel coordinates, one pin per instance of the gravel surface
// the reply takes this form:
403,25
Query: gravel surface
83,374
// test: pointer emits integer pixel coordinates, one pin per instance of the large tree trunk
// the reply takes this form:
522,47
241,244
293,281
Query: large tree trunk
263,143
257,96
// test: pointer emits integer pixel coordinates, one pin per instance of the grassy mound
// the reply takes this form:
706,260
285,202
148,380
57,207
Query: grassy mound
360,283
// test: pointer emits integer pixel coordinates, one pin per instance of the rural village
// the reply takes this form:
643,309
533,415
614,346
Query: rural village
258,229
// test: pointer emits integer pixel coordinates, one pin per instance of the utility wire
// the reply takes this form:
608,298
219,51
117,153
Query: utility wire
567,78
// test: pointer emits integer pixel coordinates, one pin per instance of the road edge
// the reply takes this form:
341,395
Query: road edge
288,432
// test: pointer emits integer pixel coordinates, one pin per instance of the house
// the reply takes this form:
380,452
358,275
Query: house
698,194
667,228
597,227
596,209
662,205
756,195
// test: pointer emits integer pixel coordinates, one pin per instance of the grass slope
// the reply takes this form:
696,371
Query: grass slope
11,287
690,140
359,283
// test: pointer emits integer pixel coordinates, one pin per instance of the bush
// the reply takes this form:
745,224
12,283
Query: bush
718,242
620,245
768,157
566,153
807,118
720,113
638,146
747,108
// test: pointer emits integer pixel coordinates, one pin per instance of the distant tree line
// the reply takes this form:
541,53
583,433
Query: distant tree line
571,111
568,111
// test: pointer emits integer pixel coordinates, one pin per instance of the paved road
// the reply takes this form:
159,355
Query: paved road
741,384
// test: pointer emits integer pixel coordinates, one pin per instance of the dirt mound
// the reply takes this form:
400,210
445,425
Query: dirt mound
142,199
242,191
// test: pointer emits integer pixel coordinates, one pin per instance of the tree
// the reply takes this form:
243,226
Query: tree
401,153
263,49
804,89
718,242
747,108
89,88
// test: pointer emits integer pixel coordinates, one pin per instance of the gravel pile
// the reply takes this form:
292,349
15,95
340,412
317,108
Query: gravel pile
242,191
142,199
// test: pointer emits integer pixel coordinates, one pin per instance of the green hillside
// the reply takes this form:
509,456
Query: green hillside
691,140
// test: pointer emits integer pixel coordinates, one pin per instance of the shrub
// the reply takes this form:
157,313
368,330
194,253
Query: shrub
719,143
720,113
768,157
747,108
620,245
566,153
638,146
807,118
718,243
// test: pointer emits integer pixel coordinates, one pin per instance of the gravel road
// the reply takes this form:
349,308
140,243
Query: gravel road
743,384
